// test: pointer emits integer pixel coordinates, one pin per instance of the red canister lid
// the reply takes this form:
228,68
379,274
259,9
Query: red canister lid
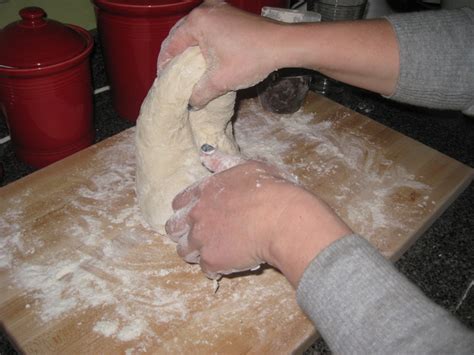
35,41
147,7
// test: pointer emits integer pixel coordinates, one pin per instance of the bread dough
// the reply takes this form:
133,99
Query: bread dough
169,136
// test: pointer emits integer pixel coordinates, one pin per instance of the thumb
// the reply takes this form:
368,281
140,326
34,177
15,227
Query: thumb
205,90
216,161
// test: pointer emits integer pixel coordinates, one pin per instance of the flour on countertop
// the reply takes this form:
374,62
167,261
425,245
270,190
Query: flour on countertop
98,273
364,199
113,261
106,327
133,330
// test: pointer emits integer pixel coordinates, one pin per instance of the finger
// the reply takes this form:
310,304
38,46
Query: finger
169,48
210,270
179,223
193,257
205,89
177,226
177,41
213,275
186,197
188,249
216,161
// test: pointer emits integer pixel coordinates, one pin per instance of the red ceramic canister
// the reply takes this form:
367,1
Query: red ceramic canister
45,87
131,32
255,6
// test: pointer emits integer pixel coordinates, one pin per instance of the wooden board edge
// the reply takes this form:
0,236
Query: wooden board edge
10,338
428,221
379,124
63,163
304,345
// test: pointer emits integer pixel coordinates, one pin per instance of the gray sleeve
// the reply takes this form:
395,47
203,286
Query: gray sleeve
436,59
361,304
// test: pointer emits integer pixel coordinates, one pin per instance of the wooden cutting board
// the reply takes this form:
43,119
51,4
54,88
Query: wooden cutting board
81,272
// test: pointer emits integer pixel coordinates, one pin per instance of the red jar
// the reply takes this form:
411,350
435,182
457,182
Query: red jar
255,6
131,32
45,87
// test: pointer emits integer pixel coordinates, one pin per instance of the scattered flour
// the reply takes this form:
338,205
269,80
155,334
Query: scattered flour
106,327
133,330
97,271
14,242
358,180
102,253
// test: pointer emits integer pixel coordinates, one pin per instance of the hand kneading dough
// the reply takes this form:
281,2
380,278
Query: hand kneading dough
168,136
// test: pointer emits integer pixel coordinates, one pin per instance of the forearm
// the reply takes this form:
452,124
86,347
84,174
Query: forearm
436,59
422,58
361,304
360,53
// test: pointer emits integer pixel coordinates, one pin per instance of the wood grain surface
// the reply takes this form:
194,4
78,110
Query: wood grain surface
81,272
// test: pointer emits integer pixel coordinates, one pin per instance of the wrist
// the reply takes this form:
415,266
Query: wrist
306,230
295,46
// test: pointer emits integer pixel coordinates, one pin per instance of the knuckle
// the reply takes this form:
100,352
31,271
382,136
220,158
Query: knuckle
195,238
180,250
177,229
197,12
197,15
169,226
196,212
214,83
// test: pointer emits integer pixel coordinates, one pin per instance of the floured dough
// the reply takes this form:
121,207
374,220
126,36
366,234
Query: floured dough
169,136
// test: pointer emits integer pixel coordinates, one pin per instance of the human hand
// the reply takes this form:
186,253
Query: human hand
237,47
249,214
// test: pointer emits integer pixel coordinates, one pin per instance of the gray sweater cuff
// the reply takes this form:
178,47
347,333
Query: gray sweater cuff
361,304
436,59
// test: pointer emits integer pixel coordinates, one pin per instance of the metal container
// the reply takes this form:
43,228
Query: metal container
131,33
335,10
45,87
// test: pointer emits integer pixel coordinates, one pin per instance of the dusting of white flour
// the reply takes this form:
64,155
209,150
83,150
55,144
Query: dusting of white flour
364,197
106,327
114,262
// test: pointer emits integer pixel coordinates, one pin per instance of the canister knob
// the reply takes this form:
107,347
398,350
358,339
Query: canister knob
32,16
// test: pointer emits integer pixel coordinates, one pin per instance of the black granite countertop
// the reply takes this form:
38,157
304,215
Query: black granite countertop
441,262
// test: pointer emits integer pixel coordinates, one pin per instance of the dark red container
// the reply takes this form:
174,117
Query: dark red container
131,32
45,87
255,6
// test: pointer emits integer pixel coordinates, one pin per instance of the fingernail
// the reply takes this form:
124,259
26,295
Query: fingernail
207,148
213,275
255,268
